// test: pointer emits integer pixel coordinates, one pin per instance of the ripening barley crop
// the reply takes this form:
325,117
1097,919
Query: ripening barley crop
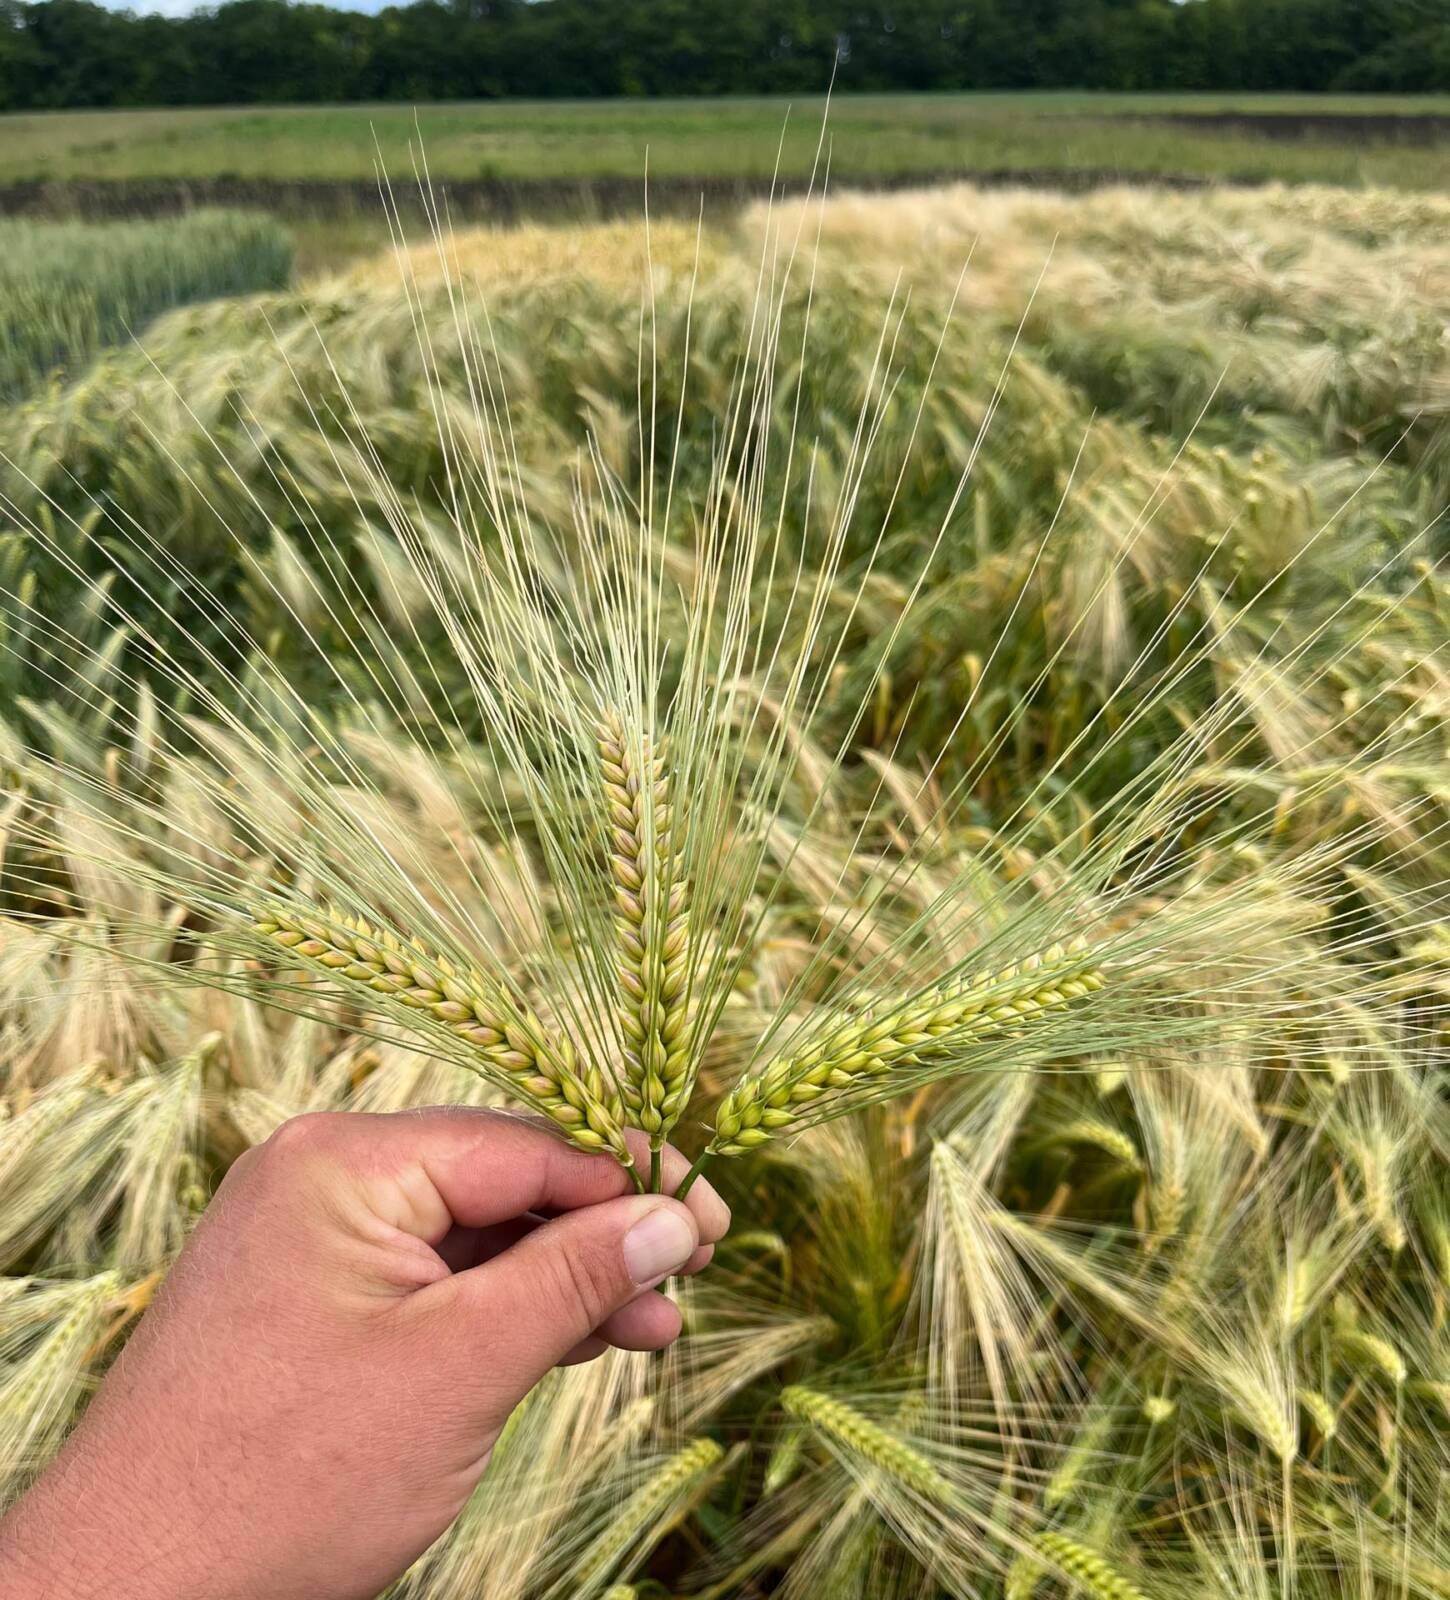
970,767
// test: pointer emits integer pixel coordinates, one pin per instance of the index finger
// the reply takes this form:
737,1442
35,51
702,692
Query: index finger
484,1167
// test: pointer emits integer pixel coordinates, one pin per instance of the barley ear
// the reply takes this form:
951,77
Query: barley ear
868,1440
1316,1406
505,1041
855,1057
652,925
1085,1567
647,1515
39,1392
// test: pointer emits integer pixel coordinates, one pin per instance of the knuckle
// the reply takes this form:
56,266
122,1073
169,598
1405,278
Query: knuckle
240,1173
304,1136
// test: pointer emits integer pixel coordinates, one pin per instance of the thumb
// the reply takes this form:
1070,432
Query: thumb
534,1302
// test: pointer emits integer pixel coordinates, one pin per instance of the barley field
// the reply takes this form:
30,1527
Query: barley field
68,290
937,704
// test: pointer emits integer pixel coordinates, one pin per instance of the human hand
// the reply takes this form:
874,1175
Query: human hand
315,1393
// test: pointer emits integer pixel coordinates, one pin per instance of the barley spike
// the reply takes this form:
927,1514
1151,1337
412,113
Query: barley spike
641,1514
509,1043
1320,1412
1368,1349
1103,1136
869,1440
1086,1567
652,923
793,1088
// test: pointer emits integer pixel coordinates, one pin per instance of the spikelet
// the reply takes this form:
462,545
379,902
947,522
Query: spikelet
52,1153
39,1389
798,1088
868,1440
1319,1411
652,927
1085,1567
1089,1449
157,1165
1101,1135
507,1043
646,1516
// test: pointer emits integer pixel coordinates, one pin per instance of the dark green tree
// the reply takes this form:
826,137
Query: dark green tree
75,53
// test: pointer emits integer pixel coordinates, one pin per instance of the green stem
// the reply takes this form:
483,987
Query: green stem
635,1179
692,1174
654,1169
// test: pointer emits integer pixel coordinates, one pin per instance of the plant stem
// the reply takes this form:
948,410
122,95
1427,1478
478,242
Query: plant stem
654,1169
635,1179
692,1174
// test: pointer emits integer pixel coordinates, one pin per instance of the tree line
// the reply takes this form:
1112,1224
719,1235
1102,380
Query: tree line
74,53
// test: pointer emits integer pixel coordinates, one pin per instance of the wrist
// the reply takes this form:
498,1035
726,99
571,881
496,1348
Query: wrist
40,1562
68,1539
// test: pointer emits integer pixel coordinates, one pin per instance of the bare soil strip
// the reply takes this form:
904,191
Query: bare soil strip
1416,128
508,199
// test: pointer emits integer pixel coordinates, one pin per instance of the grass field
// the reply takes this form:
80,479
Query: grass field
871,136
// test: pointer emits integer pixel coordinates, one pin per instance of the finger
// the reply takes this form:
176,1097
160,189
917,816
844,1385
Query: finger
648,1323
589,1349
462,1248
698,1262
711,1212
426,1172
489,1241
544,1295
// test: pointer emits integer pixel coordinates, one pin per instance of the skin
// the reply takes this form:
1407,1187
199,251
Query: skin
317,1389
